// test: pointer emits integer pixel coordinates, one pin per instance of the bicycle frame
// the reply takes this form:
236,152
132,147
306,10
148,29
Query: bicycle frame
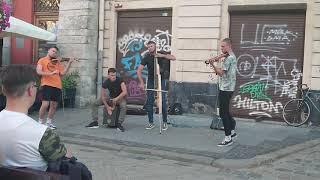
307,98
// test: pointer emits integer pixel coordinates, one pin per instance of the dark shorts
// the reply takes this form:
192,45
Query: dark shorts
51,93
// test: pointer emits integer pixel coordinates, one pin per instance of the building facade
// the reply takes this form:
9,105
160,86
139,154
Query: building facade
277,45
41,13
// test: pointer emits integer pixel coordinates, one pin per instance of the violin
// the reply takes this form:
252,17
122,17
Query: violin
53,64
216,58
56,60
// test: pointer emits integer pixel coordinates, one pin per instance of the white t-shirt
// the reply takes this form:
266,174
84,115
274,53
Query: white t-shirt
20,137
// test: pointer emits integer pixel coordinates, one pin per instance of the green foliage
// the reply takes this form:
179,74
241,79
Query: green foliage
70,80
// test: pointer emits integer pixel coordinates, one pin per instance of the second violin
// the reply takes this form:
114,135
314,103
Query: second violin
215,59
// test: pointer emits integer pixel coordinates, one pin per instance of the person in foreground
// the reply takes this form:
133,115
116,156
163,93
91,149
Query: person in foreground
227,83
23,141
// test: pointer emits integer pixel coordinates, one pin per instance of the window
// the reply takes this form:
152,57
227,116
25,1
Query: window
47,5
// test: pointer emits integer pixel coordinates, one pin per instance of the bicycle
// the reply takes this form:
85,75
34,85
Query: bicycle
296,112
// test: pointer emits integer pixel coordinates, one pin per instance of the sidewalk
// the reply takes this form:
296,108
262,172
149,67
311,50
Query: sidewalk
189,139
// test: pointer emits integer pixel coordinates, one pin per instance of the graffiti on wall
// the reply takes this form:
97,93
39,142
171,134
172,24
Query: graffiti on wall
272,69
256,107
264,76
132,47
269,34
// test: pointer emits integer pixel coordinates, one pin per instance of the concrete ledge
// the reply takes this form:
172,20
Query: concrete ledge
189,156
263,159
152,151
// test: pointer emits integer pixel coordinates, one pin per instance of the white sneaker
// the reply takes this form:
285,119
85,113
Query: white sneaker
150,126
51,126
165,126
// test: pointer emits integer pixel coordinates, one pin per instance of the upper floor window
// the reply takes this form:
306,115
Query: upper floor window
46,5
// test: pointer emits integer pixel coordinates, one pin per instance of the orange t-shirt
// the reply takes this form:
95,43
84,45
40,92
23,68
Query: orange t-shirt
48,66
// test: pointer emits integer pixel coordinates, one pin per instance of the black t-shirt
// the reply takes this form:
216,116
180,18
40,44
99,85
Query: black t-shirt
113,87
148,60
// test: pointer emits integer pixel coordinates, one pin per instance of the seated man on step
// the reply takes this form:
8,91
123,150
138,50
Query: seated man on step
116,96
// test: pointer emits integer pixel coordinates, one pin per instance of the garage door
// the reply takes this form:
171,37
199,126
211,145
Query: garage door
135,29
269,47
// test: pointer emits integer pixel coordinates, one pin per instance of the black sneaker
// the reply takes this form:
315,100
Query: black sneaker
234,135
111,126
93,124
120,128
225,143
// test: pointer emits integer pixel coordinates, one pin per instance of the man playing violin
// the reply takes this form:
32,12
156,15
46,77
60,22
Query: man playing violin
227,83
50,69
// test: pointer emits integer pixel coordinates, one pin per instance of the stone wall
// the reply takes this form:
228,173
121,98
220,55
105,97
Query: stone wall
197,27
77,37
195,31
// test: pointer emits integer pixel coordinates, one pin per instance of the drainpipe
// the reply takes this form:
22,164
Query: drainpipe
6,51
6,46
100,47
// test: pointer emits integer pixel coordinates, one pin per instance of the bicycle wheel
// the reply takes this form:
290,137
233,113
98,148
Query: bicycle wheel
296,112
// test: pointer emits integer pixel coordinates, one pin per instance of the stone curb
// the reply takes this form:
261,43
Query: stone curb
182,157
193,157
265,158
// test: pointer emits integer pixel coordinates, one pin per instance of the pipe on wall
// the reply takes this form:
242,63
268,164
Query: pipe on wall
100,47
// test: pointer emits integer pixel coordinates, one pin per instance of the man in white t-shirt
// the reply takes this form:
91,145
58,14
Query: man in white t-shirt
23,141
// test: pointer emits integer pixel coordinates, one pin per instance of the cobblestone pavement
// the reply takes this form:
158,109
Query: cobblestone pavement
115,165
302,165
187,134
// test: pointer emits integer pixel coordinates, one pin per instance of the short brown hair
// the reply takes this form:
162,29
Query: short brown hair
151,42
112,70
55,47
227,40
15,78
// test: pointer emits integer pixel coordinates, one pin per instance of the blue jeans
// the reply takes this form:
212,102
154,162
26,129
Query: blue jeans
150,100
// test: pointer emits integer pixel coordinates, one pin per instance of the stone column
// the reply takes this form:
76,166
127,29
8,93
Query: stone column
77,37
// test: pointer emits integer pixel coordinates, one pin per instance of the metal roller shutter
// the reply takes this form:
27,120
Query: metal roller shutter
135,29
269,47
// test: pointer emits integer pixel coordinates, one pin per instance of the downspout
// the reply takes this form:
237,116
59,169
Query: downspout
6,51
100,47
6,46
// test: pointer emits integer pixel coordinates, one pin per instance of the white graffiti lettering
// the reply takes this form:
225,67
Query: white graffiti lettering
277,34
290,87
271,34
257,113
163,39
263,75
128,41
274,68
131,38
257,106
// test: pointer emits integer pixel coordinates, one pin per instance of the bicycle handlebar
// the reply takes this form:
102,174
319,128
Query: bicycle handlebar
303,87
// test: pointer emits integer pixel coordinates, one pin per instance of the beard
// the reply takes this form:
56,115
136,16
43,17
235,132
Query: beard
52,57
152,51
